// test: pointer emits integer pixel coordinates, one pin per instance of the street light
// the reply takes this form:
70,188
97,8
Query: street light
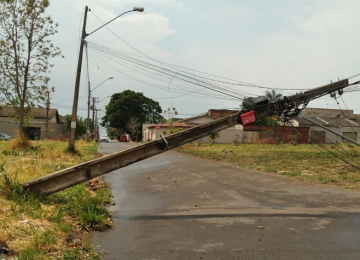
78,74
88,114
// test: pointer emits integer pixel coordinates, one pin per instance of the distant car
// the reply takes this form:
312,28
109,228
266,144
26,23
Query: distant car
123,138
104,139
5,137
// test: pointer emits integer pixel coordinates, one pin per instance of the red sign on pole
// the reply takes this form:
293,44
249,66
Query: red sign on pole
248,118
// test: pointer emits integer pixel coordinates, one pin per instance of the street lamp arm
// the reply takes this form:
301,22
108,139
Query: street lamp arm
136,9
101,83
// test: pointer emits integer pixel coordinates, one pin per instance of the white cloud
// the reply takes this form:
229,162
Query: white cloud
339,20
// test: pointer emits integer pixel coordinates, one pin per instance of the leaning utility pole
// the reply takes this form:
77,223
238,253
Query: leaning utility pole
77,85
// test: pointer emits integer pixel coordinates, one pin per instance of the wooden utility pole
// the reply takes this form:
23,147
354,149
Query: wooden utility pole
93,117
77,86
88,115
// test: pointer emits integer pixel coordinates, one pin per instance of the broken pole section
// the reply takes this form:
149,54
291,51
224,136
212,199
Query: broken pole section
69,177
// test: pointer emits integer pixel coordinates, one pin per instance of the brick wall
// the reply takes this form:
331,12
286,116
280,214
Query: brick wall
285,134
218,113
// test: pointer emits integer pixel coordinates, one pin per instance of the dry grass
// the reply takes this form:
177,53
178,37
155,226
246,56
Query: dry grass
41,227
304,162
44,157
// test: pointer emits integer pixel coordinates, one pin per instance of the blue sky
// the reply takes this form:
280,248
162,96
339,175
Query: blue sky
275,44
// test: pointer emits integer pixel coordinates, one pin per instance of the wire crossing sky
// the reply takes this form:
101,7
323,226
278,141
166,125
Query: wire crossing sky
198,55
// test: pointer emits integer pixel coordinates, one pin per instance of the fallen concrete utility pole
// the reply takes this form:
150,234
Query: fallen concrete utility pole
66,178
285,108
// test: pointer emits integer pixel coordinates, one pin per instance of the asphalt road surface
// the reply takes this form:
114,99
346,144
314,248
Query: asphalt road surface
175,206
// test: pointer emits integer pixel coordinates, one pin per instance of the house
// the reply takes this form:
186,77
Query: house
226,136
344,122
36,128
152,132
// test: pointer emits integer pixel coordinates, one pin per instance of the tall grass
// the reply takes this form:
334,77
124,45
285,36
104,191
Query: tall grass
42,227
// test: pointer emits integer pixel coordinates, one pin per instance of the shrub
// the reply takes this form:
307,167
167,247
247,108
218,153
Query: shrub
20,142
213,136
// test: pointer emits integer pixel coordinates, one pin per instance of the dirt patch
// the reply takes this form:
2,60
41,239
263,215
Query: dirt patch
269,140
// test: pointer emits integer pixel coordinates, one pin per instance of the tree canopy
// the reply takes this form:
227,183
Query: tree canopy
248,103
130,105
80,125
272,95
25,50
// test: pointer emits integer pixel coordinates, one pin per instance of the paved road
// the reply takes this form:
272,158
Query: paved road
175,206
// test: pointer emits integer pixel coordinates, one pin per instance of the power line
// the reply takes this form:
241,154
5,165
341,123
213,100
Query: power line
183,77
136,79
312,142
142,63
152,85
240,83
346,117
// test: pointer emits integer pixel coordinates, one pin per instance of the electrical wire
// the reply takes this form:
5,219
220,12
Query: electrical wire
239,83
137,61
181,77
150,84
192,79
138,80
354,76
312,142
343,114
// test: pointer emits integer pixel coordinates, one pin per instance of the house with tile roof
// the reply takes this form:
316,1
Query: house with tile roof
36,128
344,122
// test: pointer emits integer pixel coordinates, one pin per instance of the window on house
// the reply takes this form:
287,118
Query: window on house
350,135
317,137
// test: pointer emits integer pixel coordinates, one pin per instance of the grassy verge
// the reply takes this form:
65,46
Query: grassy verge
304,162
48,227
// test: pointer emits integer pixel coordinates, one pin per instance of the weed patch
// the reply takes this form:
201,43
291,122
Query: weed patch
39,227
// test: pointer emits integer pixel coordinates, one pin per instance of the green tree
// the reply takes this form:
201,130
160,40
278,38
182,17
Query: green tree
113,133
25,50
272,95
80,125
129,104
248,103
